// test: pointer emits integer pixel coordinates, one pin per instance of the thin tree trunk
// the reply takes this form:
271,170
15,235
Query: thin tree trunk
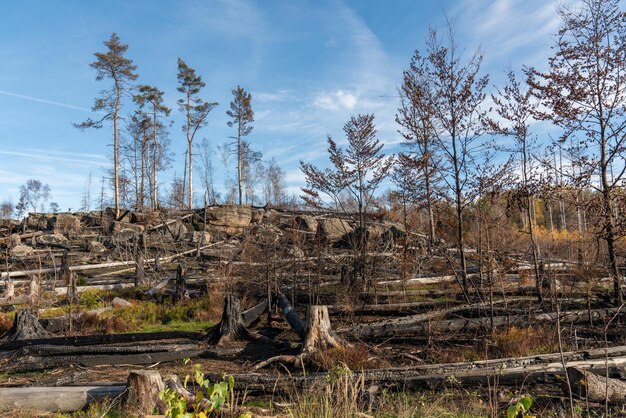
239,161
182,196
116,150
190,175
155,193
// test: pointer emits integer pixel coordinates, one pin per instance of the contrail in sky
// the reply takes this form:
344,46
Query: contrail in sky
45,101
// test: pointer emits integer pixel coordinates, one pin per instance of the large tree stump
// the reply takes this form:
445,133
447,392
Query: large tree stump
26,326
143,387
595,388
319,332
316,335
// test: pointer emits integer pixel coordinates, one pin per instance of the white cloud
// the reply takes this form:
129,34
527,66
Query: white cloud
335,100
520,31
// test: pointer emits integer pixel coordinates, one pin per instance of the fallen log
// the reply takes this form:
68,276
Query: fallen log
23,273
595,388
56,399
61,323
105,339
170,222
11,301
418,280
35,363
62,290
249,316
53,350
411,379
291,316
159,286
423,323
391,308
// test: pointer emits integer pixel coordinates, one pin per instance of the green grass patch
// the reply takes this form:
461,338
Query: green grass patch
177,326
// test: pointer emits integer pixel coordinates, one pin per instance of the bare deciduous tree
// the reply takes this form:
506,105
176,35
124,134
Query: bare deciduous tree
584,93
515,107
6,209
356,172
457,95
274,185
416,117
34,194
207,172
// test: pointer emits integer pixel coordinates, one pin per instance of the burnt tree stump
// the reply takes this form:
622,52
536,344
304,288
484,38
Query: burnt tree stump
143,387
231,326
316,334
26,326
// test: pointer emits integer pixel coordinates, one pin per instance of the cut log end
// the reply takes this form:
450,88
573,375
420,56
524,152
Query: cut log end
595,388
143,389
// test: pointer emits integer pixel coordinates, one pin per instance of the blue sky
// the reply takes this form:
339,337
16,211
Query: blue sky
309,65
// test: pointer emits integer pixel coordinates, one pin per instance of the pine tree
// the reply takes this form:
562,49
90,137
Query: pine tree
242,116
196,111
120,70
152,98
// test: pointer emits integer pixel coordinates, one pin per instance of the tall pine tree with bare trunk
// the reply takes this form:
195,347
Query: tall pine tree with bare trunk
112,65
242,116
584,93
196,111
152,98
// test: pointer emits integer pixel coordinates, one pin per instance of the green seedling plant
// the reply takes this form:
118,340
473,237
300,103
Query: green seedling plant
520,409
209,397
